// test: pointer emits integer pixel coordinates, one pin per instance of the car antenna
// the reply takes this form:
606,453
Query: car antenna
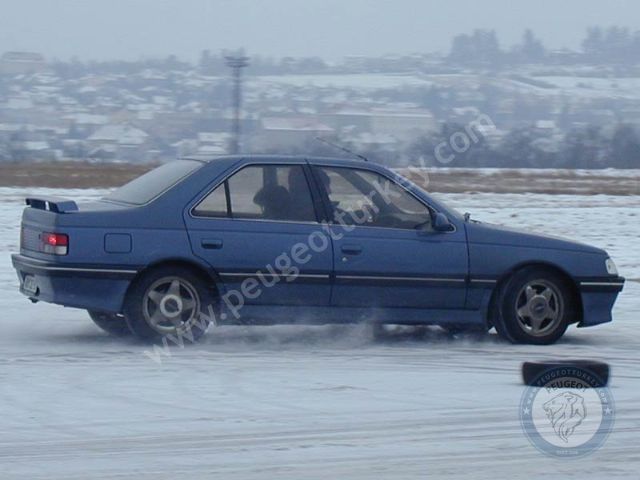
344,149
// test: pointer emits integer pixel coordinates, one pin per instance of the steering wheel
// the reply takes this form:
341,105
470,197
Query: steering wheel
361,216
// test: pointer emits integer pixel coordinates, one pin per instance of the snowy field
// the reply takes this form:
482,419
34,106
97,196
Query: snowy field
307,402
587,87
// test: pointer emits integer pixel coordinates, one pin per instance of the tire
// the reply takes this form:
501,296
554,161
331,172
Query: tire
532,371
535,306
171,302
112,323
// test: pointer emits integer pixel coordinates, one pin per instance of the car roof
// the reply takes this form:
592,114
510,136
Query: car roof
271,158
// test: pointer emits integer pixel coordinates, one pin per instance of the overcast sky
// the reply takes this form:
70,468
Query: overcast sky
129,29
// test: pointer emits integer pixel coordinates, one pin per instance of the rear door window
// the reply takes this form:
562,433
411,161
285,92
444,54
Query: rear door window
262,192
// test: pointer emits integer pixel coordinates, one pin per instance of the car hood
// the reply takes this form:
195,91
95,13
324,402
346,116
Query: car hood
479,232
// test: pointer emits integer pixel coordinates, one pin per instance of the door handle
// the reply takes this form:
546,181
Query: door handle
351,249
211,243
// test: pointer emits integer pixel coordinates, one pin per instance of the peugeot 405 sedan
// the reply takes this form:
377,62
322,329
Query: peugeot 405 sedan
275,239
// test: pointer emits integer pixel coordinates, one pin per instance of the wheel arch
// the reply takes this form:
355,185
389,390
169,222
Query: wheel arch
208,274
505,277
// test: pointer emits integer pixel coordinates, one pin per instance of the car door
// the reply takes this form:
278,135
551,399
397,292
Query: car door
251,228
386,253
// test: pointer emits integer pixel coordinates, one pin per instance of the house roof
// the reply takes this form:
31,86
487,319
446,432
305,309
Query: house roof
294,124
35,146
22,57
86,118
213,137
121,134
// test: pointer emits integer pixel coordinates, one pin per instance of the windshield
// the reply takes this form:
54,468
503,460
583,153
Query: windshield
147,187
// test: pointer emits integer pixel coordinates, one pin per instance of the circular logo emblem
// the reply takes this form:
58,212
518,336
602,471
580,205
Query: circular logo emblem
567,413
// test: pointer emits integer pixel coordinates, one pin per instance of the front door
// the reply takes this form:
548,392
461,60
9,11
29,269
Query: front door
252,227
386,253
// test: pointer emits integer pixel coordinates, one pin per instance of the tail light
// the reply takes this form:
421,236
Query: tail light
54,243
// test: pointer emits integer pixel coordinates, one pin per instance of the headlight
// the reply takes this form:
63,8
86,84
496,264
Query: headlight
611,267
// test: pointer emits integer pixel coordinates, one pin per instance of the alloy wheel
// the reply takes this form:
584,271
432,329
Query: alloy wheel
539,307
171,305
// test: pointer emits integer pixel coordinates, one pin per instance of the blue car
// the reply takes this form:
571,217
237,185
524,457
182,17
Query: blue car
275,239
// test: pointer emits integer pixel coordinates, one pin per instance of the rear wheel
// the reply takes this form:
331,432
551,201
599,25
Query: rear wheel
535,306
171,302
112,323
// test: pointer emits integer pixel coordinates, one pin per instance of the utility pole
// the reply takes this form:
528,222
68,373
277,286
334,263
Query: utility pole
236,63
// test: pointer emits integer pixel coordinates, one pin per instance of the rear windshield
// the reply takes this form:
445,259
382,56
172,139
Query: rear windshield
145,188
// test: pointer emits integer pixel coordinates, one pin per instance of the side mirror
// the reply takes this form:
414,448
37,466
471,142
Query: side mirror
441,223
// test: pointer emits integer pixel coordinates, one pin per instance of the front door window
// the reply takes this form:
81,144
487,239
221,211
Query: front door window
362,197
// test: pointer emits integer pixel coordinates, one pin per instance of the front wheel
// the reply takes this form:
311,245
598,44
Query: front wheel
535,306
169,302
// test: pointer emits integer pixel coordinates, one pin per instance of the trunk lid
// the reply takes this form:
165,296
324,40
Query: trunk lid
55,215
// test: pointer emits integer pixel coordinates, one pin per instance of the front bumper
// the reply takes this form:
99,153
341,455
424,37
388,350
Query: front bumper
598,295
92,287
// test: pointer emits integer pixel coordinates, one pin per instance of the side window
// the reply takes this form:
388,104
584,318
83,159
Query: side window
243,189
262,192
214,204
362,197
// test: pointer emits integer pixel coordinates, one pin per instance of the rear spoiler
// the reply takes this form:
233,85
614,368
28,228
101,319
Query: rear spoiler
52,204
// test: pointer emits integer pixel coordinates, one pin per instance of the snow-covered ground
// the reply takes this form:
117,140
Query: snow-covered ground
306,402
354,81
575,86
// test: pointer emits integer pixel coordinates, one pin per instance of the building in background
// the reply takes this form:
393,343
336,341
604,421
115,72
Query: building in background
289,132
17,63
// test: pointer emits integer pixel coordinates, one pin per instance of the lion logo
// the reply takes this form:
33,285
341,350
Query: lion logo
565,412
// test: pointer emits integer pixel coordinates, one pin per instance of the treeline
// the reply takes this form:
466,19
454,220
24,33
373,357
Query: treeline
604,46
591,147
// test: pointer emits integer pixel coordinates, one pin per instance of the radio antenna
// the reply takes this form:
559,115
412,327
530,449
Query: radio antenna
344,149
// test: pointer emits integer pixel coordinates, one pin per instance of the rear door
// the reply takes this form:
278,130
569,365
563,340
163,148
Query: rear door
254,227
386,253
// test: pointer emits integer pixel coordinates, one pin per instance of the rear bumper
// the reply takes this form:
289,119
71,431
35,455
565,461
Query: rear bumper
598,296
90,287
